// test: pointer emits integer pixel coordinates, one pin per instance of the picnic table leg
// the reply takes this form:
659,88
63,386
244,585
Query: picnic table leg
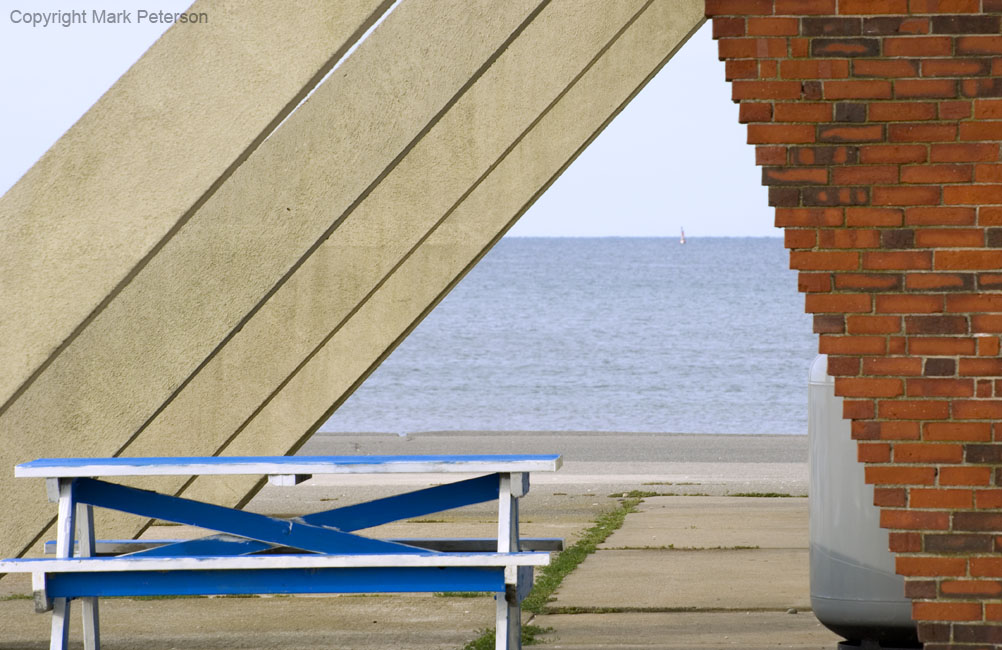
65,529
508,625
85,545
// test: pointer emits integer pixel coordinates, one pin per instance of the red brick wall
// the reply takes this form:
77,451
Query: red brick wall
877,126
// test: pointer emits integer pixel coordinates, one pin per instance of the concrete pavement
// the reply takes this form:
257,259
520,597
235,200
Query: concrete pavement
683,572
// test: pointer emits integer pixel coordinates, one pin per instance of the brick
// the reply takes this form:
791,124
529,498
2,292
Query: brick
989,500
840,366
858,408
987,173
980,367
976,259
868,387
857,89
845,47
802,112
909,304
805,7
987,521
843,238
912,520
988,109
898,153
723,27
940,216
944,6
768,69
813,69
986,567
874,217
829,324
983,454
973,589
868,281
773,26
799,238
751,48
921,589
904,238
826,155
906,366
755,112
891,497
958,431
930,566
993,611
964,476
965,25
979,45
972,194
909,195
955,543
792,217
823,261
850,112
784,196
780,133
941,346
904,542
990,323
928,387
955,67
898,475
873,453
830,344
989,215
936,325
814,282
794,176
919,46
741,69
940,367
925,88
873,7
988,345
938,498
832,196
885,430
838,303
939,281
865,175
977,409
980,131
902,111
970,152
885,68
860,133
978,633
939,611
765,90
913,409
893,25
831,26
739,7
924,452
770,155
922,132
954,110
937,173
897,260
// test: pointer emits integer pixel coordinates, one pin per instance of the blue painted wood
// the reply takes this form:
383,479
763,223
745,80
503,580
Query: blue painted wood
282,532
359,516
279,461
211,546
275,581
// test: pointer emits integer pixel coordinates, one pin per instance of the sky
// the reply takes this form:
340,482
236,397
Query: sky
674,158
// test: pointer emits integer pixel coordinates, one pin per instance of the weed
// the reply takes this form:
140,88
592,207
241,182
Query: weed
529,637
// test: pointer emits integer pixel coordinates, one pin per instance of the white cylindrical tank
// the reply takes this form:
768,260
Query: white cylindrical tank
854,589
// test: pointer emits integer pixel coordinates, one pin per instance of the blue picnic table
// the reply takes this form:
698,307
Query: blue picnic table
250,553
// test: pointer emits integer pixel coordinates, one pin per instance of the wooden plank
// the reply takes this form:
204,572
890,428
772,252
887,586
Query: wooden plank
264,465
298,561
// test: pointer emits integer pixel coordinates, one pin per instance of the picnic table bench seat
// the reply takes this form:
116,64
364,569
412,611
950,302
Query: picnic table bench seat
255,554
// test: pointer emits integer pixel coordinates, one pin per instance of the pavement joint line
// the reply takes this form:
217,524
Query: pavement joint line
573,611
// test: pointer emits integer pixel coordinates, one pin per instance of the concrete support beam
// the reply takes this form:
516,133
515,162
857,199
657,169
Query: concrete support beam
600,55
97,206
206,282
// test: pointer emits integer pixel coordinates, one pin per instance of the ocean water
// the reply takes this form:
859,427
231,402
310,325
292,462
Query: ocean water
603,334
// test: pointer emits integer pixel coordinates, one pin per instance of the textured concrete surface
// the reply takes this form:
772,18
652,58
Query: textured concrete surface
423,278
131,170
261,224
712,522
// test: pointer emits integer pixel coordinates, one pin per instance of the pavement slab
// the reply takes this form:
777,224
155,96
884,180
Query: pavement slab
686,631
714,522
672,579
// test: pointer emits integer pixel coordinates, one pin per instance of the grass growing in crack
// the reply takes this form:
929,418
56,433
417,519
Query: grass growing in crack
530,634
567,560
771,495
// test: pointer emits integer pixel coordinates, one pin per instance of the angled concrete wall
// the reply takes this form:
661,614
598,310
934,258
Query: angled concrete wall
328,245
87,215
